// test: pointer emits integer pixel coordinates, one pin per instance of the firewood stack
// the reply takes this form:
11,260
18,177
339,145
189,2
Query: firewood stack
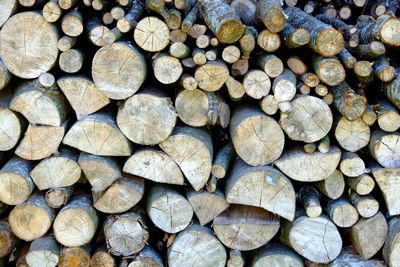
199,133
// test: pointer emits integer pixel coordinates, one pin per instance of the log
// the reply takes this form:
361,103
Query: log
295,37
72,23
310,200
167,69
367,206
125,233
167,209
269,105
392,90
190,18
5,75
74,256
188,81
347,59
388,116
248,41
57,197
296,65
352,135
240,67
179,50
188,248
347,102
268,41
245,227
235,89
31,219
275,255
391,248
342,213
192,150
360,235
333,185
102,258
151,34
7,239
256,83
99,34
76,223
158,6
222,160
131,18
382,70
118,70
66,42
146,257
236,258
385,29
67,4
374,49
43,252
352,165
270,189
8,7
329,70
199,56
271,14
362,184
203,41
311,79
316,239
383,147
231,54
284,86
197,30
71,61
212,75
387,179
271,65
98,134
349,257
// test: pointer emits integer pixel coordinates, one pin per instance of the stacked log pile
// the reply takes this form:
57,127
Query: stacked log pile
199,133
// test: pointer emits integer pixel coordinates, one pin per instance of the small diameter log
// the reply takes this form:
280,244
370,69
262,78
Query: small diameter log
235,89
66,42
271,65
256,83
384,148
51,11
352,135
347,59
382,70
47,80
40,40
43,252
146,257
212,75
236,259
388,116
385,29
245,227
333,185
197,30
188,81
58,197
191,148
302,166
363,72
268,41
67,4
157,6
199,56
363,230
222,20
246,9
248,41
316,239
271,189
99,34
391,248
32,146
269,105
271,14
206,205
114,199
310,79
167,69
188,248
7,239
98,134
275,254
369,116
284,86
362,184
295,37
388,180
179,50
296,65
118,70
102,258
168,209
131,18
8,7
310,120
350,257
324,39
222,160
5,75
329,70
374,49
392,90
76,223
31,219
321,90
125,233
83,95
71,61
352,165
240,67
212,54
72,23
347,102
367,206
203,41
117,12
74,257
190,18
342,213
231,54
151,34
310,199
257,138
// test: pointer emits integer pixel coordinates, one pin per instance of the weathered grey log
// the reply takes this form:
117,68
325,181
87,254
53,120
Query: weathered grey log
222,160
275,254
271,14
43,251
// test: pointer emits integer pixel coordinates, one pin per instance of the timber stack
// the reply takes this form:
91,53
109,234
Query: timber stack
204,133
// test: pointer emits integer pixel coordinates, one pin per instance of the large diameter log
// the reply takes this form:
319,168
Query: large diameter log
275,255
151,34
212,75
270,189
74,257
154,165
245,227
333,185
352,135
311,167
8,7
40,40
385,147
388,180
43,252
257,138
147,118
31,219
167,209
391,248
310,120
363,230
196,246
329,70
7,239
118,70
125,234
192,150
324,39
76,223
271,14
316,239
98,134
347,102
222,20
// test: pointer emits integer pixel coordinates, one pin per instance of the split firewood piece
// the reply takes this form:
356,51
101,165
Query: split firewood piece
257,138
245,227
125,233
74,256
147,118
222,160
72,23
151,34
352,135
271,189
57,197
83,95
40,105
98,134
188,248
5,75
295,37
347,102
256,83
271,14
191,148
40,40
329,70
310,167
324,39
57,171
350,257
114,199
316,239
146,257
269,105
310,199
385,29
222,20
118,70
8,7
168,209
271,65
362,184
342,213
40,142
167,69
102,258
132,16
392,90
101,172
268,41
212,75
275,254
333,185
99,34
385,147
310,120
382,69
352,165
360,235
388,116
43,251
284,87
367,206
31,219
206,205
76,223
391,248
7,239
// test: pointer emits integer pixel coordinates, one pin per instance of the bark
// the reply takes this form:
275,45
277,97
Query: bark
385,29
7,239
271,14
329,70
383,147
43,252
347,102
295,37
131,18
352,165
222,160
383,70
